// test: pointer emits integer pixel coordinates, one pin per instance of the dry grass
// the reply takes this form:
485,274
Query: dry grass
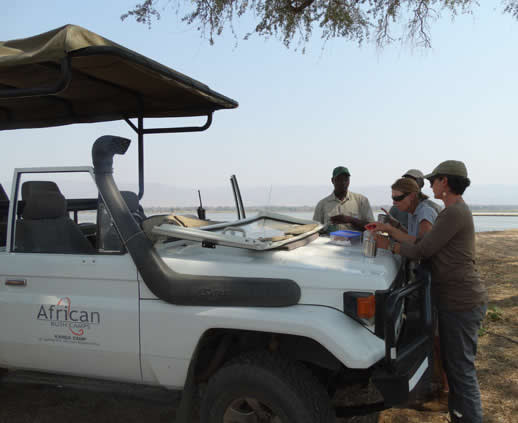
497,261
497,364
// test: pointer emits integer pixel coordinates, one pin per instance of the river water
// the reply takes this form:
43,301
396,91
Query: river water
482,223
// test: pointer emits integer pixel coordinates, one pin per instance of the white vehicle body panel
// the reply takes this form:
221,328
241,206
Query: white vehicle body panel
100,335
170,334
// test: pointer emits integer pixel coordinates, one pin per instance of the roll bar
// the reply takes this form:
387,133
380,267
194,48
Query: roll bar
140,130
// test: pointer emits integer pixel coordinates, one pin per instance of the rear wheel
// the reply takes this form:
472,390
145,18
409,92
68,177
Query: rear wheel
265,388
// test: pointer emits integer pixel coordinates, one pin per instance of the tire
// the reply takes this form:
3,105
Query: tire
265,388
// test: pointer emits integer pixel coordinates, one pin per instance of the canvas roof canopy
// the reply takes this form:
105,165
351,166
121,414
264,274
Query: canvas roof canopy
71,75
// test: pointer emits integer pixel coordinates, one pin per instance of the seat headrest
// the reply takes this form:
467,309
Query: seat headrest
131,200
44,205
3,195
38,186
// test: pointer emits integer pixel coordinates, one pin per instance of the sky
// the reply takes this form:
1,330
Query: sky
378,112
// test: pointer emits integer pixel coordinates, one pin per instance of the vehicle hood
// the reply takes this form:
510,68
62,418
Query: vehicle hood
322,269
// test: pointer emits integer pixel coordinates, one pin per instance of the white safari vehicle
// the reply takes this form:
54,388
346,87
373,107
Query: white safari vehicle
256,320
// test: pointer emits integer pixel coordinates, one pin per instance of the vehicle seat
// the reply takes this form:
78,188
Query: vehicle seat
3,195
31,187
150,223
45,226
4,202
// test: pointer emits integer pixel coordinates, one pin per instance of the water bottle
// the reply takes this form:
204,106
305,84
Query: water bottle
369,244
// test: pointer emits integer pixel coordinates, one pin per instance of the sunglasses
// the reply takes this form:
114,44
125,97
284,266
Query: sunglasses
432,180
400,197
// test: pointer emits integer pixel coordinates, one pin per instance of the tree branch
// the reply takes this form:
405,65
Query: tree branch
295,19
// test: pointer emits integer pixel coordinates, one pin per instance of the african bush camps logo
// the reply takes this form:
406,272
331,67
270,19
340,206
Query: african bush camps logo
63,315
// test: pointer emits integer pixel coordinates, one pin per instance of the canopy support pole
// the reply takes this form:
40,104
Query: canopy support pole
140,157
139,129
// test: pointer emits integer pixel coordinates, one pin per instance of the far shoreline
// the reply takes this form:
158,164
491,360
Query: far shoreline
508,211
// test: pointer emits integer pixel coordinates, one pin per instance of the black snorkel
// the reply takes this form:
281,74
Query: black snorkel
170,286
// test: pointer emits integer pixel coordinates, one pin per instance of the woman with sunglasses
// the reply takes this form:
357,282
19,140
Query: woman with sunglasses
459,294
421,214
407,197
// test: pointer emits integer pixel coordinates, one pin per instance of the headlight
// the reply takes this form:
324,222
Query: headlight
360,306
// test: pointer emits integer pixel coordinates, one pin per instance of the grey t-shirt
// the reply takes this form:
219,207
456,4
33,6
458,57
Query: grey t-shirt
422,212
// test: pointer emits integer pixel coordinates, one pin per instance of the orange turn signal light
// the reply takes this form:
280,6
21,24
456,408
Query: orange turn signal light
366,307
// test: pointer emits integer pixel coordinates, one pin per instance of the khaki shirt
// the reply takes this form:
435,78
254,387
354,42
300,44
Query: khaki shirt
355,205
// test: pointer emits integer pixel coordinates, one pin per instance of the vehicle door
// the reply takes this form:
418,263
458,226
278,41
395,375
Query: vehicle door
71,310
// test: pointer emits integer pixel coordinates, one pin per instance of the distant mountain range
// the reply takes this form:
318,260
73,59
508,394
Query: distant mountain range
163,195
503,197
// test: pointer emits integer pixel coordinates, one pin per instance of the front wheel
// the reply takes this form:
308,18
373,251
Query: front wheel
261,387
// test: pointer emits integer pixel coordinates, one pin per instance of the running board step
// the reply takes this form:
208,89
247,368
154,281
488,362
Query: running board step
144,392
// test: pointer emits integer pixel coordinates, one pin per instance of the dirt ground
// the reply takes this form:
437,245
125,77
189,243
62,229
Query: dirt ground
497,359
497,365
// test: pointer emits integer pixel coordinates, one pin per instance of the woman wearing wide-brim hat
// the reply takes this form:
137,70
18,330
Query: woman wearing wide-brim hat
460,296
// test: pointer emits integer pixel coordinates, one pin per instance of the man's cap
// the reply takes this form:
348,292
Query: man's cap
416,174
449,167
339,170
